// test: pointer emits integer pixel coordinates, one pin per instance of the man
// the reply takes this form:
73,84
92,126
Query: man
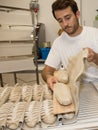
73,39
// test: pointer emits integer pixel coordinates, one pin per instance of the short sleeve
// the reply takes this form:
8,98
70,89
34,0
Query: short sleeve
53,58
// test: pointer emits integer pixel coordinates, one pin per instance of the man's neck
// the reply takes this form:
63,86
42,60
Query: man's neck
79,30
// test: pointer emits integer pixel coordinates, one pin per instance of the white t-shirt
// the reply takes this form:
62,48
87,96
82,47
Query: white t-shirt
65,46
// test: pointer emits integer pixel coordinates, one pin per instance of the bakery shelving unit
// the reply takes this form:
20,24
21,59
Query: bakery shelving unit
16,47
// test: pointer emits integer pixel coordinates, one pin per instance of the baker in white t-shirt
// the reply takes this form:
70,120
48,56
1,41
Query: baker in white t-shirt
72,40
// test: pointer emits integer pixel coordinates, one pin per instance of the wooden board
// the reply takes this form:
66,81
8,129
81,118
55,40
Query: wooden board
60,109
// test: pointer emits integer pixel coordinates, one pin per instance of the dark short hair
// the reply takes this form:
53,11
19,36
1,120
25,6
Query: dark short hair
63,4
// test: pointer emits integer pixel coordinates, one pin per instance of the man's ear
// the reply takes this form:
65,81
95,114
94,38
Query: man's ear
78,14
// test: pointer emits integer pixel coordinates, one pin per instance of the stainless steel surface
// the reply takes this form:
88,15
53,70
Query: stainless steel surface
88,111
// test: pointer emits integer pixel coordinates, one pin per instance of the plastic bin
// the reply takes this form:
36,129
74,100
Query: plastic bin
44,52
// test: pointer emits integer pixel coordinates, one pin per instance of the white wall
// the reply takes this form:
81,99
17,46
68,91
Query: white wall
89,11
46,17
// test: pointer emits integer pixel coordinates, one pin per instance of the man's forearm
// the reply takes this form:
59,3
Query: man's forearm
46,75
46,72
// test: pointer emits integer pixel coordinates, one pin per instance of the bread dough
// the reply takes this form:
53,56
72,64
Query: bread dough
62,93
61,75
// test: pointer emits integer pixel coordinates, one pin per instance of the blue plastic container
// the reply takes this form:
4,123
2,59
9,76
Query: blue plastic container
44,53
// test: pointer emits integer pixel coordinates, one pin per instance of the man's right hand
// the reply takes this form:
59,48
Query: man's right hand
51,80
47,75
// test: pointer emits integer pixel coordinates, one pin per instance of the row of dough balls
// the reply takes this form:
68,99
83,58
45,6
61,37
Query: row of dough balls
14,114
24,93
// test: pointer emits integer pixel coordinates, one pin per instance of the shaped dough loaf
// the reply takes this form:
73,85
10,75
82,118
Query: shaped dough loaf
27,93
47,92
32,114
62,93
16,116
15,95
37,90
61,75
68,115
4,95
47,112
4,110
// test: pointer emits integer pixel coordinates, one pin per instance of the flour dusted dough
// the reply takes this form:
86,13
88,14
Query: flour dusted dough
32,114
1,89
47,92
61,75
68,115
62,93
15,95
16,116
36,92
47,112
4,110
27,93
4,95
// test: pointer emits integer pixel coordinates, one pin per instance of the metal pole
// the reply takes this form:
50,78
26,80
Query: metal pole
1,80
36,62
33,6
